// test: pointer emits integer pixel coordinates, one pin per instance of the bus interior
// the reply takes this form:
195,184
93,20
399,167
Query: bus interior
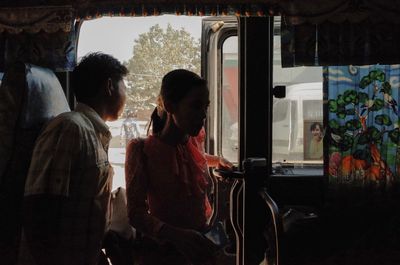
303,101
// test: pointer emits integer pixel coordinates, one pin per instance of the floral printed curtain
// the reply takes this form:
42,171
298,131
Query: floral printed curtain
363,124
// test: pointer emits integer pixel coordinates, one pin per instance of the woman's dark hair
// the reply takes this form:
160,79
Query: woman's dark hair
314,126
174,87
92,71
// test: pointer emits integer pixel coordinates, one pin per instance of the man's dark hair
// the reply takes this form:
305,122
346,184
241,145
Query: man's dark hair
93,71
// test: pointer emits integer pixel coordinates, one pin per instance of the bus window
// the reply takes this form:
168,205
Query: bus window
230,110
123,37
281,110
293,116
295,143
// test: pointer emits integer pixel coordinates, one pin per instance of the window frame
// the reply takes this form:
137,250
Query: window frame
225,35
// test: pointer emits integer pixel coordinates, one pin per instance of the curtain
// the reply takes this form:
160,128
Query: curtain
358,32
56,51
314,32
41,36
296,11
342,43
363,124
188,9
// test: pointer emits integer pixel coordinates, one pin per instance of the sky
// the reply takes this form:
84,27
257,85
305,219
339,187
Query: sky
116,35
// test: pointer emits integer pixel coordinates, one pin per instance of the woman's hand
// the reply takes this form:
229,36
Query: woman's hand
218,162
224,164
192,244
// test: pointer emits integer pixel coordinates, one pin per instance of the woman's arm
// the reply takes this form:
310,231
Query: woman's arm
217,161
136,191
212,160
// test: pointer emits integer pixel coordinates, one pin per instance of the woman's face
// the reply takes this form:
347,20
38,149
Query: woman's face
190,112
316,132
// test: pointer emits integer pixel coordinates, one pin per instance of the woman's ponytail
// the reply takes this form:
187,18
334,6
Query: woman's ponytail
157,123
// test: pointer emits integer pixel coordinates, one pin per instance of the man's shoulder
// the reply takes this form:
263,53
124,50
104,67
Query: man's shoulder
72,120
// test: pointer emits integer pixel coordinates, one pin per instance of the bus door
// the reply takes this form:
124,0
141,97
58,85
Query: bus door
235,61
219,66
242,63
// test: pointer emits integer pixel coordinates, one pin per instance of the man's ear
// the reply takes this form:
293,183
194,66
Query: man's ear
109,87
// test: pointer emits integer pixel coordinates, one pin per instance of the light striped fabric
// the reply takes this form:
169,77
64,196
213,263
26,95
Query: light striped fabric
70,159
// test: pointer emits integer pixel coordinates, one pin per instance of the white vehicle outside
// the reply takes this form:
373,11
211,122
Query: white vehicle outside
301,107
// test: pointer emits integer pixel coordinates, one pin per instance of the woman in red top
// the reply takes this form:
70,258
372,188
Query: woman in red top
166,176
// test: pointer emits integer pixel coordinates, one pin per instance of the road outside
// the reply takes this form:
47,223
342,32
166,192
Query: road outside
116,151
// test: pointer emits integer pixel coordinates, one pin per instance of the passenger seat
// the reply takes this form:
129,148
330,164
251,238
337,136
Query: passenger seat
29,97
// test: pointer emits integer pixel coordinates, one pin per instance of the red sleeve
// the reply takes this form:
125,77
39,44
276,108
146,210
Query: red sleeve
136,191
199,140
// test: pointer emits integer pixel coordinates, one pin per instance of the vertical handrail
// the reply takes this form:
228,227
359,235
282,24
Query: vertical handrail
236,206
215,203
277,224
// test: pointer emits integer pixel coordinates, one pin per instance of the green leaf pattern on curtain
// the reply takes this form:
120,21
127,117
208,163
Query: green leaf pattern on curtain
363,124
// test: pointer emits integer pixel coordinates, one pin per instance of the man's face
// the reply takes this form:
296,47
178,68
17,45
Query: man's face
117,100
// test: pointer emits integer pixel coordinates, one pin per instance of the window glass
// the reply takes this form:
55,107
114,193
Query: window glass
133,42
230,110
312,109
294,143
280,110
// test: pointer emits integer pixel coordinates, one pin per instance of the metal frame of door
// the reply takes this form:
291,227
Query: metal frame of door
255,77
255,35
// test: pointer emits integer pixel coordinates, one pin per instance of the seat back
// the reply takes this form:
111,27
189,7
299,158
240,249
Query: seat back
29,97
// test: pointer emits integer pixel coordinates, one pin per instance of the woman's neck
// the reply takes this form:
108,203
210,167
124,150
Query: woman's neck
171,134
319,138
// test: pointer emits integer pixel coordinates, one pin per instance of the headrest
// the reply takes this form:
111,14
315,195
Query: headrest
44,96
29,97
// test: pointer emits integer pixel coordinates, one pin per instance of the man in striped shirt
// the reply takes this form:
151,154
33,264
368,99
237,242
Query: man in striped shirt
67,191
